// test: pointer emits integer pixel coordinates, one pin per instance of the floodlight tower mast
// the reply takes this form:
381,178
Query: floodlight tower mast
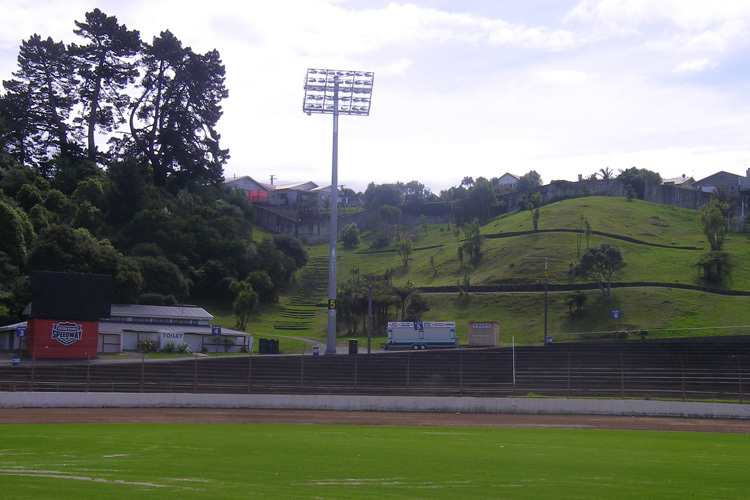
336,92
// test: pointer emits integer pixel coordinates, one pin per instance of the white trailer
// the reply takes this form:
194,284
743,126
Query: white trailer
421,334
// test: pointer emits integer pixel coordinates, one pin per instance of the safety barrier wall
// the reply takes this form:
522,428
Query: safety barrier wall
377,403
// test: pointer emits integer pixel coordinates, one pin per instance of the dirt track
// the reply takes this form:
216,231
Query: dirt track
309,417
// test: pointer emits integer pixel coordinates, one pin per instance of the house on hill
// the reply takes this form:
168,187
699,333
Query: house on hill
732,184
288,208
683,182
508,180
294,196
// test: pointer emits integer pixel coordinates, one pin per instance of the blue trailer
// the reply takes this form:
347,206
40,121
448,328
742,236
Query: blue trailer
421,334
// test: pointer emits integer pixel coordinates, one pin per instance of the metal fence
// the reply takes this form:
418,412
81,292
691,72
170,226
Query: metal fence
461,372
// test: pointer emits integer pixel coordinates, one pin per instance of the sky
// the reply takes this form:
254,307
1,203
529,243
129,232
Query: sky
462,88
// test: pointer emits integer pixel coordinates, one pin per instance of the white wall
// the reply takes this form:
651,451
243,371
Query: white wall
376,403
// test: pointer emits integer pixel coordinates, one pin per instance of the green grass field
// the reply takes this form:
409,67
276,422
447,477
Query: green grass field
184,461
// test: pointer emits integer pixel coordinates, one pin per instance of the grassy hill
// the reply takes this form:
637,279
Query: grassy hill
520,259
663,245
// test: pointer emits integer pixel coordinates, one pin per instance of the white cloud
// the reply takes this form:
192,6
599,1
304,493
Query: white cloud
458,93
565,76
676,25
695,66
398,67
685,14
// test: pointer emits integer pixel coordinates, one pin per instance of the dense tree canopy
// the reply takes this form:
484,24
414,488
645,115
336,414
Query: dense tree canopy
147,208
172,122
476,202
529,182
638,179
63,98
397,194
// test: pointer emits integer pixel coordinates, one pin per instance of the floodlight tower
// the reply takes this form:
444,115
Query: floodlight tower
336,92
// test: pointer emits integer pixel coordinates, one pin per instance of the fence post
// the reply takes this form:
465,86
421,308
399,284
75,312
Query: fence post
33,362
249,372
739,367
356,367
622,377
513,354
408,358
682,367
568,396
88,371
195,375
143,367
302,373
460,373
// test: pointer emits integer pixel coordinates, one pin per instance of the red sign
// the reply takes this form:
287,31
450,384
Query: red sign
62,339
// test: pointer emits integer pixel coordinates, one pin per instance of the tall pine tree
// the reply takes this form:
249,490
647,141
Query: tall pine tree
106,67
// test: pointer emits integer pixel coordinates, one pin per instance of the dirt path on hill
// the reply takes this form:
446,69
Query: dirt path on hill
313,417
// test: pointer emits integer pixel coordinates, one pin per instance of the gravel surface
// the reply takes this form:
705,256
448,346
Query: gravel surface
312,417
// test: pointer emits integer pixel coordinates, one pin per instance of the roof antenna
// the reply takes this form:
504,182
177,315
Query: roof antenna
272,178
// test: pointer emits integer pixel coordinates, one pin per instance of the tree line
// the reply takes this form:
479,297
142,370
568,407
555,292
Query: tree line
110,163
112,97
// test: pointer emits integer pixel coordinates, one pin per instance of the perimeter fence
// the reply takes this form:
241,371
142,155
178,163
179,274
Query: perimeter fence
634,369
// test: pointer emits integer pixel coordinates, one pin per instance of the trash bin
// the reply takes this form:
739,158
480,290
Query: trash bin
268,346
353,346
316,350
16,360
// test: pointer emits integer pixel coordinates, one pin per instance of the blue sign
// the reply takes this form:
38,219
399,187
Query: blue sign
615,314
418,325
215,329
20,331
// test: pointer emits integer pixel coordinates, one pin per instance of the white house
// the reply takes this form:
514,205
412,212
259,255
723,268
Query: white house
508,180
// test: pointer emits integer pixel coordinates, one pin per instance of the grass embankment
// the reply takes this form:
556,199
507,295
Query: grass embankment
669,243
520,259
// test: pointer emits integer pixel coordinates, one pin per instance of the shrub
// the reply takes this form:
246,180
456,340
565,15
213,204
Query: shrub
168,347
183,348
381,239
349,235
147,345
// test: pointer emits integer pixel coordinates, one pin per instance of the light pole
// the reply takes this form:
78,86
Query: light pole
336,92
